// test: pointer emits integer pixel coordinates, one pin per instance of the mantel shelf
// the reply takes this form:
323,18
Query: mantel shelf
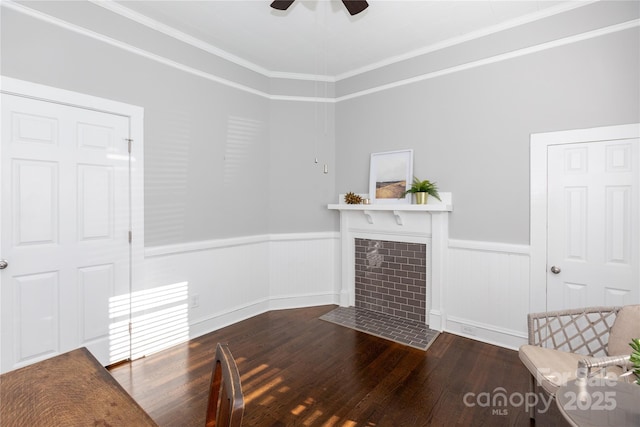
399,210
395,207
446,205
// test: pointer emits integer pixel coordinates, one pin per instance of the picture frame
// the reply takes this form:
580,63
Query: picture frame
390,175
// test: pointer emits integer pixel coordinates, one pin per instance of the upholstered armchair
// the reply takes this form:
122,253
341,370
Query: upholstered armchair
560,342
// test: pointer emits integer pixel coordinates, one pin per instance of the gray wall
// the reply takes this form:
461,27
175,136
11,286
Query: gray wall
299,188
222,162
470,129
215,166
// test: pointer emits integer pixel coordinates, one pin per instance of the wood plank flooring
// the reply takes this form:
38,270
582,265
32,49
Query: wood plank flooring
298,370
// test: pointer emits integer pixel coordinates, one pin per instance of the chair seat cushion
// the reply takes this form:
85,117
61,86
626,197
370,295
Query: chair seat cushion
550,368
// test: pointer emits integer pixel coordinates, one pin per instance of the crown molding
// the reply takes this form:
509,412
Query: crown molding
516,22
22,8
19,7
178,35
301,76
302,99
497,58
200,44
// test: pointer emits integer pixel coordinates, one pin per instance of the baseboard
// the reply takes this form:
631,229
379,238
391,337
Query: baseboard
283,302
220,320
302,271
226,318
485,333
463,327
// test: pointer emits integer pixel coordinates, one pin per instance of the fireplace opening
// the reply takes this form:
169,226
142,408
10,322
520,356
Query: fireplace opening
391,278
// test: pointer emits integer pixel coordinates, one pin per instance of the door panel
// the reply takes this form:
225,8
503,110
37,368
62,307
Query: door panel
29,128
593,199
36,305
35,198
96,285
65,228
618,225
95,202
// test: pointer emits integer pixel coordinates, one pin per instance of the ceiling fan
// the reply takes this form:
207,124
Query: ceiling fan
353,6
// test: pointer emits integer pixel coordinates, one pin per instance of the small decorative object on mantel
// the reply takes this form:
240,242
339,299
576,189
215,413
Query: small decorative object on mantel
422,189
352,199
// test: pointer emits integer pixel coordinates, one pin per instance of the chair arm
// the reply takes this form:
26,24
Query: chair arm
585,365
583,331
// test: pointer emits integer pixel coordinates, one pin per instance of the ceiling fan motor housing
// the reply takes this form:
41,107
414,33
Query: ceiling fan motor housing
353,6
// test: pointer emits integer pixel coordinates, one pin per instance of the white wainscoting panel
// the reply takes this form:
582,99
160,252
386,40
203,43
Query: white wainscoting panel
487,297
225,284
230,280
304,270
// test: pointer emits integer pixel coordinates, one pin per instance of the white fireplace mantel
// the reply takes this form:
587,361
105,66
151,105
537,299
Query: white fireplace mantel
398,210
427,224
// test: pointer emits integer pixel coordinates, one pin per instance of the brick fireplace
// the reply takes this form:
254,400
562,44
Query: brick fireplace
393,258
391,278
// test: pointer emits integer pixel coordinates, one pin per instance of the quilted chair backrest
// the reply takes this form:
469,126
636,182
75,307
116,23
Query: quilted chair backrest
626,327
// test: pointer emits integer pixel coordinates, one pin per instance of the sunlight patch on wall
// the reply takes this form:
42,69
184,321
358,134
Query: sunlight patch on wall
159,319
166,177
241,134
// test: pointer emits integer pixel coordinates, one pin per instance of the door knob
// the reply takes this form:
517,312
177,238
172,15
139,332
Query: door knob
3,264
555,270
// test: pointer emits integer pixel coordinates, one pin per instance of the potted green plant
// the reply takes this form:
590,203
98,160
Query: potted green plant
635,358
422,189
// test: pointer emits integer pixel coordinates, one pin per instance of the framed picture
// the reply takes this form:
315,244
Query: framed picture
390,175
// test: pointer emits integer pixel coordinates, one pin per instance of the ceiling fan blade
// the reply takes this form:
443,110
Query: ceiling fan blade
282,4
354,6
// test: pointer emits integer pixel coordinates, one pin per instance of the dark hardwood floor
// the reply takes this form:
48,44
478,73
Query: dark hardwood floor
299,370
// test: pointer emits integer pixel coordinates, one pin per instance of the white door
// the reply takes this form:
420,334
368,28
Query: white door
65,231
593,230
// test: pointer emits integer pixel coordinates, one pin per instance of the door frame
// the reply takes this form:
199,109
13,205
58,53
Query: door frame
135,114
539,145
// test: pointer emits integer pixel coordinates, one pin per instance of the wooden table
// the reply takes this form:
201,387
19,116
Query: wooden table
604,405
71,389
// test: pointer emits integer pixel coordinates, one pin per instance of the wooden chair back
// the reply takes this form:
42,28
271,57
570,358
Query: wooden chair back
226,402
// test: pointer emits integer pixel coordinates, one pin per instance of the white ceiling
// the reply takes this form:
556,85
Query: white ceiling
319,37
